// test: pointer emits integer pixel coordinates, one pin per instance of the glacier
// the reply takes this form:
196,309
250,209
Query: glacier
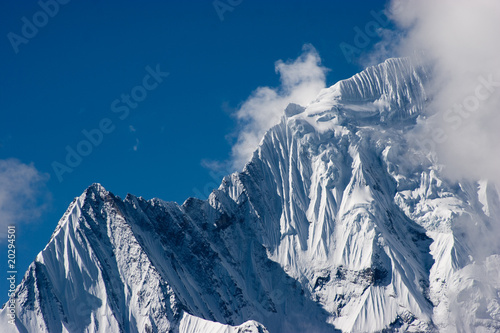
338,223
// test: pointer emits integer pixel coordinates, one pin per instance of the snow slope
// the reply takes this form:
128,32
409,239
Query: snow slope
338,223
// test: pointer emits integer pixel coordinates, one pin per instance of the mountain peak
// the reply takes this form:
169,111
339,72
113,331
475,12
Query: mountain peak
382,94
331,226
96,190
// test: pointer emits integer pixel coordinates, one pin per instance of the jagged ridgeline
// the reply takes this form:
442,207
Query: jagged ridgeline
337,223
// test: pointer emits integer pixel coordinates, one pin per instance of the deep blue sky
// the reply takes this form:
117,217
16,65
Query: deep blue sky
64,79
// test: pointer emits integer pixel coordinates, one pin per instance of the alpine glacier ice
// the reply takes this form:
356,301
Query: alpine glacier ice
338,223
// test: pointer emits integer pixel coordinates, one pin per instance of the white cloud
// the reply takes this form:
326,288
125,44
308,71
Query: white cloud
301,80
22,194
459,41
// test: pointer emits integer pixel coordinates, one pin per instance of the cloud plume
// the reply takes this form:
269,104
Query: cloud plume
301,80
458,40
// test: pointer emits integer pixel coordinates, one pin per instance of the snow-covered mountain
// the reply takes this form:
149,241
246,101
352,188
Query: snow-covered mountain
338,223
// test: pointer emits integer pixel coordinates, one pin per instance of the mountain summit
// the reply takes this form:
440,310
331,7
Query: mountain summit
339,223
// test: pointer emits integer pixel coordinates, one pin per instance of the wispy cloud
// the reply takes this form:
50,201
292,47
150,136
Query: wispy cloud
458,40
300,81
23,196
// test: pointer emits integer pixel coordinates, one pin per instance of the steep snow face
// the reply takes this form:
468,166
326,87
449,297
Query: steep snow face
355,212
143,266
395,88
390,93
326,204
93,276
337,223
